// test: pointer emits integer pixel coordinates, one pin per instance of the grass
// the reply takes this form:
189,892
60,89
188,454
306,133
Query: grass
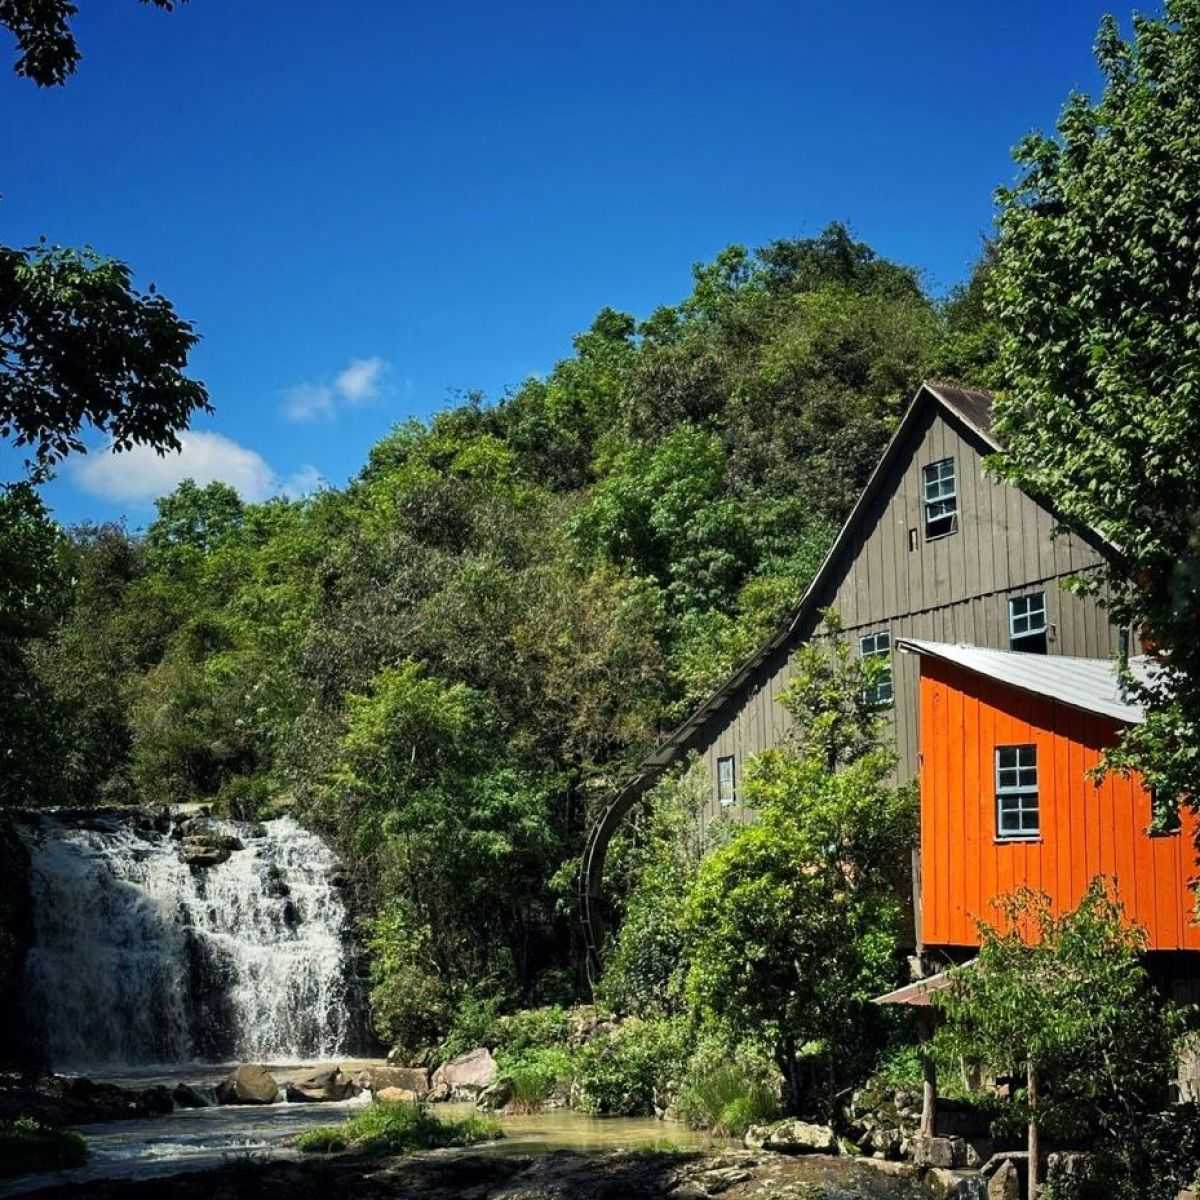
387,1128
727,1099
534,1076
27,1145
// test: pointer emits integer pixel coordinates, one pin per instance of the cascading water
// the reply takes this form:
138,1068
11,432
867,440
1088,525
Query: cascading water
139,959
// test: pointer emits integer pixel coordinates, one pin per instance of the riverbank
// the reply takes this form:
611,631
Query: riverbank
485,1174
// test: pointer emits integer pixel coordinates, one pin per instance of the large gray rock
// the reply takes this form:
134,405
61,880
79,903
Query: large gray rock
410,1079
792,1137
1005,1184
464,1077
248,1084
186,1096
940,1152
946,1184
330,1084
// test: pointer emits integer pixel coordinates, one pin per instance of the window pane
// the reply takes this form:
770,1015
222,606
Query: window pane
1007,756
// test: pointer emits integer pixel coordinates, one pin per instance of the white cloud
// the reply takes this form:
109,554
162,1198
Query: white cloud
303,482
141,475
308,402
358,382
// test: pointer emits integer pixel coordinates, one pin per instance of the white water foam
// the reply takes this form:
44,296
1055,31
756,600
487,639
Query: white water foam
139,959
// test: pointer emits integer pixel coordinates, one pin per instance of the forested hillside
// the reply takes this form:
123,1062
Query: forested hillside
446,664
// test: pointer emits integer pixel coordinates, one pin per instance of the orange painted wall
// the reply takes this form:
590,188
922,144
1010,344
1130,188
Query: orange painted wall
1085,830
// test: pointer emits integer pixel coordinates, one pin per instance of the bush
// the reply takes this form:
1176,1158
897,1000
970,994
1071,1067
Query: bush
386,1128
27,1145
474,1024
532,1029
728,1092
535,1075
630,1071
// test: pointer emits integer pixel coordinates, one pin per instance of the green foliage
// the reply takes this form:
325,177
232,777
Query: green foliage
1069,996
794,923
656,858
536,1075
27,1145
726,1090
1094,287
81,345
42,29
387,1128
633,1069
530,1029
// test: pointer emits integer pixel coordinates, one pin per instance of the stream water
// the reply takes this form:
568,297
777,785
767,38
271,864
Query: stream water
192,1139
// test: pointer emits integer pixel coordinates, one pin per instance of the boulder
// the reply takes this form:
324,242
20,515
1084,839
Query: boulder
396,1095
792,1137
1005,1183
464,1077
248,1084
950,1185
411,1079
330,1084
496,1095
157,1101
940,1152
186,1096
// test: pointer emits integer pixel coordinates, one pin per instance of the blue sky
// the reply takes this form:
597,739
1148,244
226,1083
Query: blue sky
368,206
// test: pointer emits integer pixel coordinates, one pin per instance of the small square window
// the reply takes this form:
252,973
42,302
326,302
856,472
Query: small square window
879,646
941,499
1017,814
726,781
1027,626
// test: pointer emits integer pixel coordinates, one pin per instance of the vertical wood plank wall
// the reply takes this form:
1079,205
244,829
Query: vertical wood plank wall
1086,830
951,589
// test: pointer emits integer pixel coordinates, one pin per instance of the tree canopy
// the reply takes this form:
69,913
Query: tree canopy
1095,287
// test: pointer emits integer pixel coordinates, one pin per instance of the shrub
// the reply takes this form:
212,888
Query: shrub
386,1128
535,1075
629,1071
27,1145
532,1029
728,1092
474,1024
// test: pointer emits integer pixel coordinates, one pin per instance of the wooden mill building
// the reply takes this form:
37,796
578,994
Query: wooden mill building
934,549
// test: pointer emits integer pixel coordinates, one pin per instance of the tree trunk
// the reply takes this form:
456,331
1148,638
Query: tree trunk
929,1075
1034,1152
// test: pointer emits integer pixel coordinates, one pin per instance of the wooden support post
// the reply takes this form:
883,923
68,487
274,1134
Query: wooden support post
1034,1149
929,1075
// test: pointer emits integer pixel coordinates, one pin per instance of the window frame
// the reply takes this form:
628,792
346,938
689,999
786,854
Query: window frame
875,695
948,515
731,759
1018,790
1028,633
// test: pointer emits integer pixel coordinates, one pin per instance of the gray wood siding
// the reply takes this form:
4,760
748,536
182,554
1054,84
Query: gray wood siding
952,589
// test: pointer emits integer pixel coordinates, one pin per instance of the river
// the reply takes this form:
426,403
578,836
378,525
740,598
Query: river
191,1139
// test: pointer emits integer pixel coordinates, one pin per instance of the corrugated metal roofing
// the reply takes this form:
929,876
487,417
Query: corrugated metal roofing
1089,684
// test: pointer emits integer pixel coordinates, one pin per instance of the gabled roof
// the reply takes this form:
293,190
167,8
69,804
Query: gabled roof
1089,684
974,409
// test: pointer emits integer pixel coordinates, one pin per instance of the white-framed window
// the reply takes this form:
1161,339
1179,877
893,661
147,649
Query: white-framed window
1027,625
878,646
726,780
941,499
1017,792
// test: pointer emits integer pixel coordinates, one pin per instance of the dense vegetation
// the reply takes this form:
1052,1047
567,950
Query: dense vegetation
397,1128
447,664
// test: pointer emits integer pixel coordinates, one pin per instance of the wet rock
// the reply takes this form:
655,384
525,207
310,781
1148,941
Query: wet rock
248,1084
495,1096
464,1077
186,1096
375,1079
946,1184
940,1152
66,1100
792,1137
330,1084
157,1101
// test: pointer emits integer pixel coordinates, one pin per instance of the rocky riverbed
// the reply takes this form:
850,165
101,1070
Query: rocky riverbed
486,1174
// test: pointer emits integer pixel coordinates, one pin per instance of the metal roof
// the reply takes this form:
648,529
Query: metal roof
1090,684
918,994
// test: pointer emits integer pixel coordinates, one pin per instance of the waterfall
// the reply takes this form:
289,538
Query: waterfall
138,959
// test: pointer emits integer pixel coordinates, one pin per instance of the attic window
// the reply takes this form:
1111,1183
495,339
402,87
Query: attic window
941,499
1027,627
726,782
1016,792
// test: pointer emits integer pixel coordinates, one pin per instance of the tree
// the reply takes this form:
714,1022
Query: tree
1064,1004
1096,288
42,28
78,343
794,924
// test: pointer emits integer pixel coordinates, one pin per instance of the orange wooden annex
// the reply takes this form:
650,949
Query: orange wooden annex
1083,829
